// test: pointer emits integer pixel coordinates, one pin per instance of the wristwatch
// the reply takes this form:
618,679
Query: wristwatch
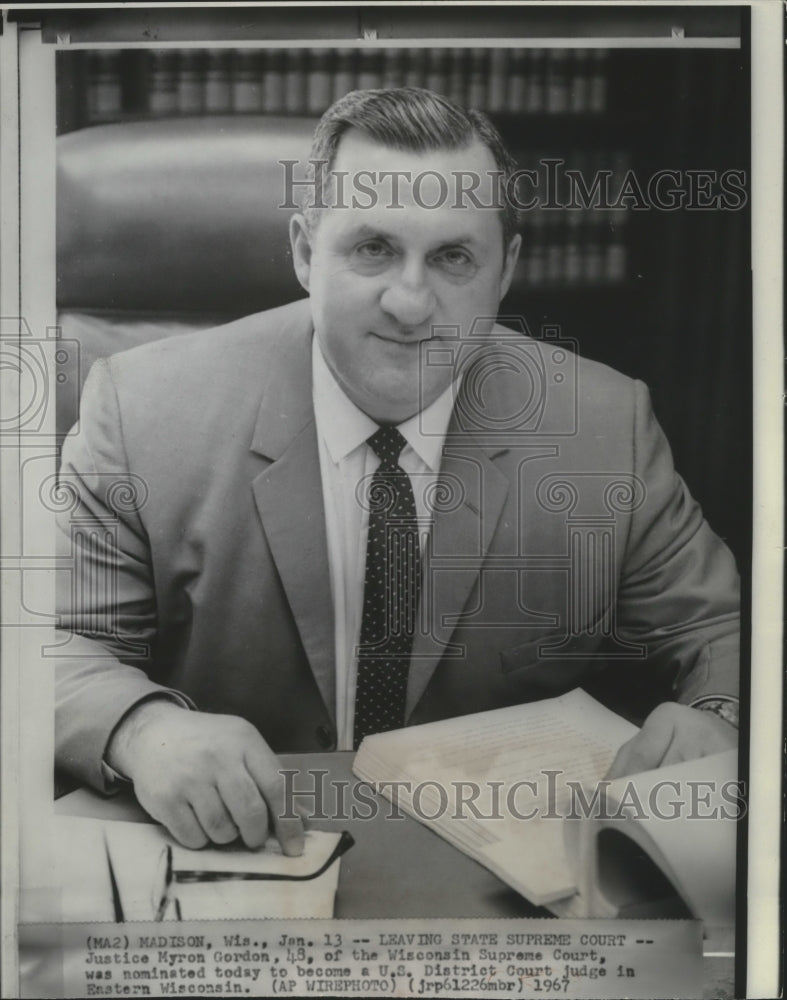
723,705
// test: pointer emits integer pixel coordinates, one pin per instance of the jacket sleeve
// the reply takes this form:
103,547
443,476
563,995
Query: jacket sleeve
679,589
106,606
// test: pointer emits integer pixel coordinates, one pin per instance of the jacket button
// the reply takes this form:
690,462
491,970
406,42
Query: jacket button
325,737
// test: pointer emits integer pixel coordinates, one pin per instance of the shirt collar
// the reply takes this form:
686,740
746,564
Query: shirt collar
344,427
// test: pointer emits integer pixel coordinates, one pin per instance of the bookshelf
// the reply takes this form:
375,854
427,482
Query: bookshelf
115,85
551,89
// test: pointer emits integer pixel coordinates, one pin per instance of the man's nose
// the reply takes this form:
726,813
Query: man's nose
409,299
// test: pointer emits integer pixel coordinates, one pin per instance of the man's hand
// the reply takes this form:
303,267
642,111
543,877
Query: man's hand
205,777
670,734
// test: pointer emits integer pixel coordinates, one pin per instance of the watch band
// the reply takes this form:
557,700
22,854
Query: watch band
725,706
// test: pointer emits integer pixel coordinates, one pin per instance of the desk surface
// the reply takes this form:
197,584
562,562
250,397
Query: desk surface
398,867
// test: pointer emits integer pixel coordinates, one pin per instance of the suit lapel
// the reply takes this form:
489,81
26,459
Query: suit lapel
459,541
461,537
288,495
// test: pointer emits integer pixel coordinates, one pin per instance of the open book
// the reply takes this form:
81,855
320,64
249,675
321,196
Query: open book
513,788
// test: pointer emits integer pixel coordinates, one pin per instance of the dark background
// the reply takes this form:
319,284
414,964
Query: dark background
681,318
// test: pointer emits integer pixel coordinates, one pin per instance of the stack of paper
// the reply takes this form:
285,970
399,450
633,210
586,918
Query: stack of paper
680,819
515,764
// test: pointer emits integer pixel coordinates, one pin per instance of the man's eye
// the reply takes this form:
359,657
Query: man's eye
456,261
456,256
373,250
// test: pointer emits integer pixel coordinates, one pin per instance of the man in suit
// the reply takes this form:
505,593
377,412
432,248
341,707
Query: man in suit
230,608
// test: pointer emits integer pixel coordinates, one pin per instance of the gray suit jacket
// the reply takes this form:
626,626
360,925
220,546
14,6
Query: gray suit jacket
563,543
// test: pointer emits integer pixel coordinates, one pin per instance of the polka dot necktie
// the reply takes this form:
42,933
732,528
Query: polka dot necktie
391,592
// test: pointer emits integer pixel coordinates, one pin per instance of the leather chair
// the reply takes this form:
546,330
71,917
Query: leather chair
168,226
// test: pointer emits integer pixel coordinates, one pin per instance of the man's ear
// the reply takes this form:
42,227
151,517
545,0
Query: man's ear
300,242
512,255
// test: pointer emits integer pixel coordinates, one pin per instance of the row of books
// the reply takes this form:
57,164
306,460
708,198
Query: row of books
564,246
163,82
545,263
578,190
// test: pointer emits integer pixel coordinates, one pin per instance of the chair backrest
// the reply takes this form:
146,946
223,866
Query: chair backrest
167,226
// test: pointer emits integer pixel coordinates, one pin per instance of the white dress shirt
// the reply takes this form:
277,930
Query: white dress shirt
347,463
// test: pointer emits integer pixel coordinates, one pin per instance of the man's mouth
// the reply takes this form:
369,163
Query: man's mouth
408,340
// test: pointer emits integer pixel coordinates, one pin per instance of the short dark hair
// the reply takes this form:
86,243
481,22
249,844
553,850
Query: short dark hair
407,118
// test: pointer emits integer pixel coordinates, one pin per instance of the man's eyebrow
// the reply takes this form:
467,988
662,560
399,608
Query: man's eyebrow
463,240
365,231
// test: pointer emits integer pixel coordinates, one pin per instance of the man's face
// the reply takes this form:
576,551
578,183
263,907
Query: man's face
380,278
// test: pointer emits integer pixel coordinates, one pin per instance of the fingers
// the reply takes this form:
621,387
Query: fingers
214,816
678,751
304,815
263,767
179,818
648,749
246,805
186,828
672,733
